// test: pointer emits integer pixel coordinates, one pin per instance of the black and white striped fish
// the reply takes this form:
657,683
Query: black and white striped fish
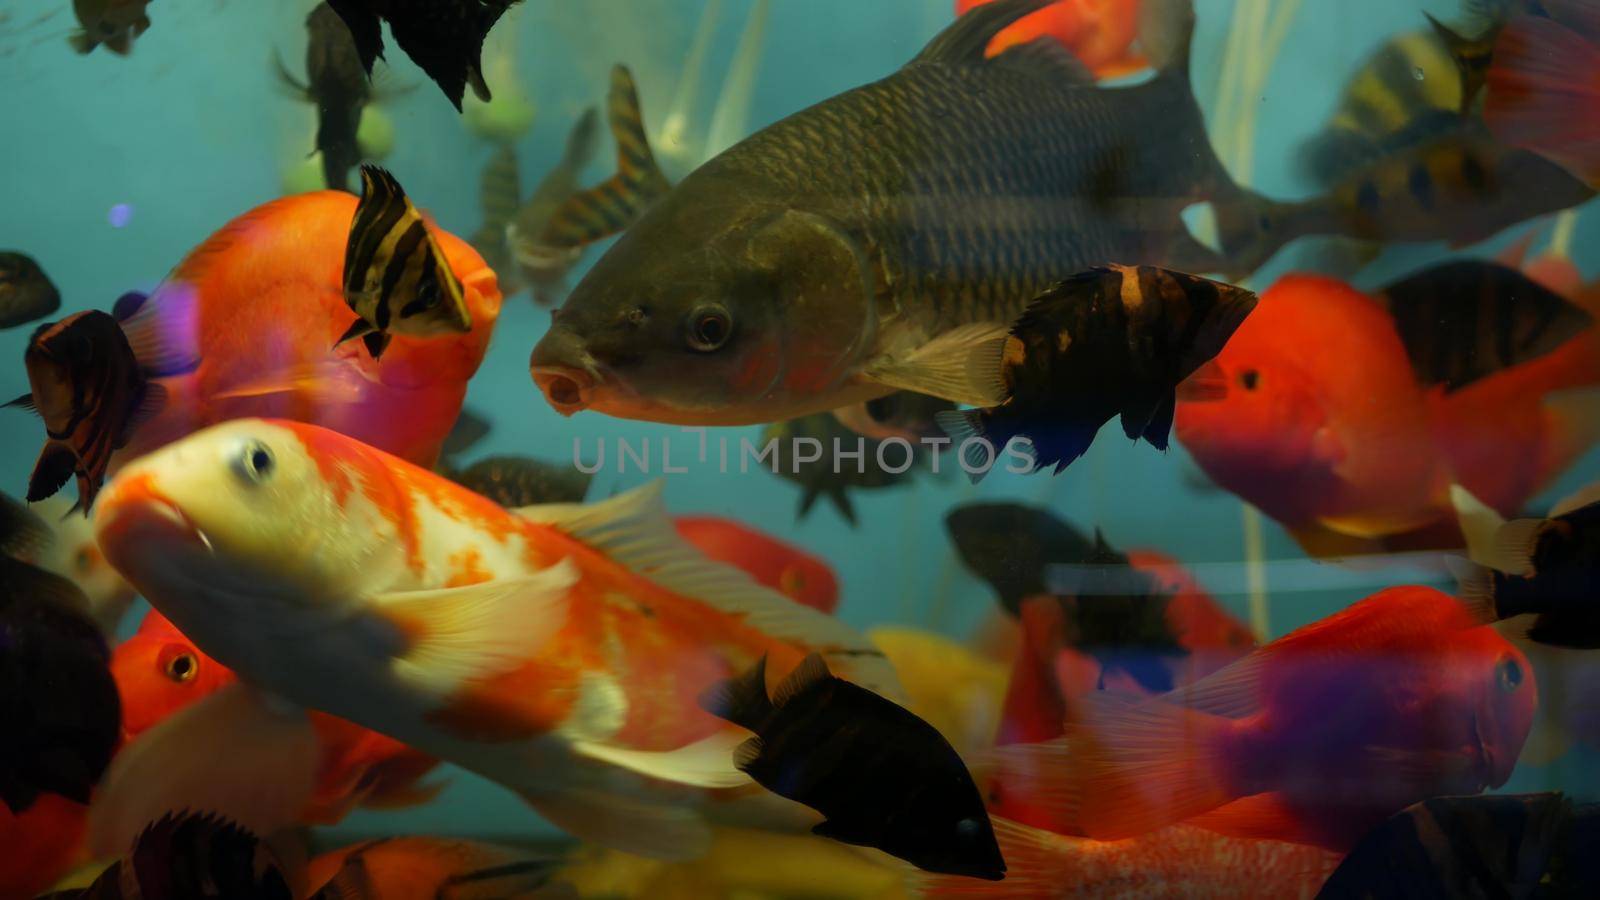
396,277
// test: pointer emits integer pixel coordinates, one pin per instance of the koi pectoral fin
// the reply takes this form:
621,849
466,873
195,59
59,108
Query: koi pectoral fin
234,753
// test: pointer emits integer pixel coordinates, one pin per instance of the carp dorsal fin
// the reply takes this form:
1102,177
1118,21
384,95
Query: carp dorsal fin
1046,57
633,529
967,40
614,204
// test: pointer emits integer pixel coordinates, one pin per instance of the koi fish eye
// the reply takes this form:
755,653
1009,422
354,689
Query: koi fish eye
1508,674
710,327
1249,379
178,664
255,463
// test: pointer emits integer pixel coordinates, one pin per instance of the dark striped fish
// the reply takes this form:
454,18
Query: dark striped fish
443,37
1514,845
1465,320
1111,341
192,856
91,391
517,481
609,207
499,192
395,276
885,237
545,266
26,292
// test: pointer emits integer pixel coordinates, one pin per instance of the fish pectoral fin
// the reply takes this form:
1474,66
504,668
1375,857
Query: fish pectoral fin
24,402
461,633
626,824
706,763
634,530
358,328
331,383
235,753
962,365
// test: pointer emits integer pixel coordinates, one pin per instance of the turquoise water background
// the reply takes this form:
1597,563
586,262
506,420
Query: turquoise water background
192,130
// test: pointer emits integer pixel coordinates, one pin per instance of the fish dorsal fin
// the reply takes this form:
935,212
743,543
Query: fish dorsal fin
480,630
811,672
633,529
966,42
614,204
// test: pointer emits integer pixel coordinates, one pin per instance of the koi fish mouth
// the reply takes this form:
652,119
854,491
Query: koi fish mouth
134,514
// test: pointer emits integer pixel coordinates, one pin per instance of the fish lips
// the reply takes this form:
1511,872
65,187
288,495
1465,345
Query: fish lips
564,371
134,530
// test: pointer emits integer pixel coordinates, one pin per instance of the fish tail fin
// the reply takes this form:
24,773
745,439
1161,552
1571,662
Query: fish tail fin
1544,92
967,428
1166,31
1475,589
1251,228
583,141
614,204
742,699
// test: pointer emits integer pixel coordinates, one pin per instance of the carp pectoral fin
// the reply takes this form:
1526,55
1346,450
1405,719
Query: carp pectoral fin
234,753
461,633
707,763
623,823
962,365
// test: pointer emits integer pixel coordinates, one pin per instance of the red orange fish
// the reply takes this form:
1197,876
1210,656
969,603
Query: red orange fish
1100,33
40,846
779,565
1315,737
1318,418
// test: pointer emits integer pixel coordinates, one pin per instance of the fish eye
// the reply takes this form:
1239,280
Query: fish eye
636,317
1249,379
1509,674
256,462
179,664
709,328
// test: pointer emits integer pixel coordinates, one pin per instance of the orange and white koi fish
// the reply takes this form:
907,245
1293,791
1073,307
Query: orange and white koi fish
558,650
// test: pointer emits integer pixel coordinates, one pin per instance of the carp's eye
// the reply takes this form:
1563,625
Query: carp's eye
1249,378
709,328
256,462
1509,674
179,664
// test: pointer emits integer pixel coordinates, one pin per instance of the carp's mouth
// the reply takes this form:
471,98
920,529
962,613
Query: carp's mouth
567,389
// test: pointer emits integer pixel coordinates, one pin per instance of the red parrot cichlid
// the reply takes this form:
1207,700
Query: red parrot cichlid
1314,738
1347,421
558,650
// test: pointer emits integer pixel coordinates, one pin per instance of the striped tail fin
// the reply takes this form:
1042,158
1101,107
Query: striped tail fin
614,204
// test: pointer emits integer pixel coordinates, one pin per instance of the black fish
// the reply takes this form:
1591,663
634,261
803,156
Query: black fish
515,481
90,388
1549,568
883,777
832,474
1111,341
26,294
1467,319
1514,845
875,240
443,37
191,856
1010,546
1112,611
337,84
58,700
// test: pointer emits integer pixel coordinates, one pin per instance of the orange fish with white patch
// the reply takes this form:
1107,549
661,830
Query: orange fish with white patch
558,650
